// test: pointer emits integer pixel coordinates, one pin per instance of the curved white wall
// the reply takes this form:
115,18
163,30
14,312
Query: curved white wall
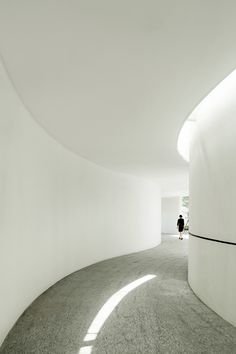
59,212
212,265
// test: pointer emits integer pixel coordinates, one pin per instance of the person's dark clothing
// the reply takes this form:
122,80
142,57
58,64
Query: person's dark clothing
180,224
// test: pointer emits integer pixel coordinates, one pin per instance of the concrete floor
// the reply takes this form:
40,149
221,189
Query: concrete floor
160,316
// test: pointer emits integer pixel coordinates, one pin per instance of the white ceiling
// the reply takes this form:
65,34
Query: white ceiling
115,80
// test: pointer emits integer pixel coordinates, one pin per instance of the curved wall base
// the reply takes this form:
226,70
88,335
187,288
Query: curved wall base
212,275
60,212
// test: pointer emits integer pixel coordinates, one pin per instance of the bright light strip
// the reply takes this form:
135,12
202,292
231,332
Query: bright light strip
86,350
110,305
219,98
184,139
90,336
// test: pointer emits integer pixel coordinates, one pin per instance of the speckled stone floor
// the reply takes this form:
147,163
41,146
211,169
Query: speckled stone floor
160,316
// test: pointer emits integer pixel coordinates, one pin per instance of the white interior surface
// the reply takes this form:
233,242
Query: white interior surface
185,138
112,81
212,275
212,201
115,80
60,212
170,210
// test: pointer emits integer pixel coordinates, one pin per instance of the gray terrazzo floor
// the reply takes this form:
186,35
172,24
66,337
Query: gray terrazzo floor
160,316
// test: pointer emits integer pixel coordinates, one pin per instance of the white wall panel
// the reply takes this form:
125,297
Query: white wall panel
60,212
212,265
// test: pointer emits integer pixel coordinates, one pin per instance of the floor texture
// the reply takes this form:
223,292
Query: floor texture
160,316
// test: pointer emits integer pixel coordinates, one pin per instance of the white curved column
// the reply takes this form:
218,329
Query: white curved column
212,263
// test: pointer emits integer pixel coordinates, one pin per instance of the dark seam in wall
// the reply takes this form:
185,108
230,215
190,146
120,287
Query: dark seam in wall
212,239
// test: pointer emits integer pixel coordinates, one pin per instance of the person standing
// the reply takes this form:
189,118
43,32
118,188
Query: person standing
180,226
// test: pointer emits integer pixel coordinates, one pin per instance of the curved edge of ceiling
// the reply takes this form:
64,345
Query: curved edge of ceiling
7,74
222,93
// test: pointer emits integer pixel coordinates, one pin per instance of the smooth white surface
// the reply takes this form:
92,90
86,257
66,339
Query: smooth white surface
212,275
184,139
212,266
59,212
114,80
222,93
170,210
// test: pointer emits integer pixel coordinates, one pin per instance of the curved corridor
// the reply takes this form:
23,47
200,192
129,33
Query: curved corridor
161,315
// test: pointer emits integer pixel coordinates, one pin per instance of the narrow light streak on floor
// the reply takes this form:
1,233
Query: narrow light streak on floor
90,336
110,305
86,350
